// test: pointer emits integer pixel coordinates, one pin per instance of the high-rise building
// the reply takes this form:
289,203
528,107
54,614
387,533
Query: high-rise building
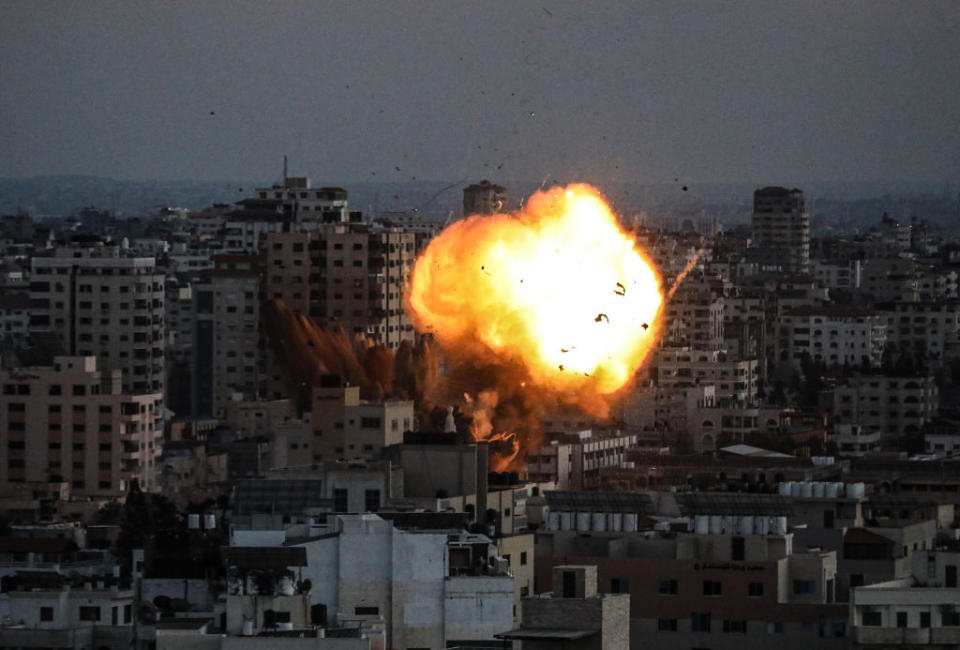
227,360
484,198
102,302
345,275
781,222
295,206
69,422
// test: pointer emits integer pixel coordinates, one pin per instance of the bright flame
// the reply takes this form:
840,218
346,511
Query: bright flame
558,287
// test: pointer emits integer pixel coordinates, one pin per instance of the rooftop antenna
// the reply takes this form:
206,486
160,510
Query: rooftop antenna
284,170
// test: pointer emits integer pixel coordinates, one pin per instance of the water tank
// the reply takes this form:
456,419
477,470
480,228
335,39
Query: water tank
583,521
806,490
727,524
599,521
285,625
285,586
630,522
785,488
856,490
210,521
760,525
779,525
193,521
746,525
615,521
566,521
819,490
796,488
832,491
701,524
716,524
247,628
553,521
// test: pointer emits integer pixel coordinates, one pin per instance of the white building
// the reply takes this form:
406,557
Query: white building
921,610
432,587
837,336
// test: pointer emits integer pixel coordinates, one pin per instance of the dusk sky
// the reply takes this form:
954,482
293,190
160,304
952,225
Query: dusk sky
627,91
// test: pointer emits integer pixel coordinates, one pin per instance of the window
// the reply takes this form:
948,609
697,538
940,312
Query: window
620,586
775,627
79,389
666,625
755,589
339,500
735,627
668,588
803,587
901,619
700,622
950,619
737,548
872,619
54,389
46,613
712,588
370,423
924,619
366,611
89,613
371,500
523,557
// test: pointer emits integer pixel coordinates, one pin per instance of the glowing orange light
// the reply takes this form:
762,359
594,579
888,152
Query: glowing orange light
557,287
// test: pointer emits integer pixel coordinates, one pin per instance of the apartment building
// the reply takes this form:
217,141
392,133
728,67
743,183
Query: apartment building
694,315
227,356
72,423
836,336
683,367
574,461
781,223
347,427
727,575
484,198
345,276
930,328
56,611
920,610
103,303
892,406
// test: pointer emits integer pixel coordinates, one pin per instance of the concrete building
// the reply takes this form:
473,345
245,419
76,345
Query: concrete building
419,575
836,336
103,303
920,610
694,315
14,316
574,462
781,222
575,616
227,355
347,427
841,274
892,406
679,368
736,580
928,328
53,611
484,198
345,276
72,423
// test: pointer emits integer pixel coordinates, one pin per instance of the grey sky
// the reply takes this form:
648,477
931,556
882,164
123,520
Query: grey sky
705,91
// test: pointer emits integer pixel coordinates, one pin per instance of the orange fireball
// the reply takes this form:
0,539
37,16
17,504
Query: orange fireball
557,287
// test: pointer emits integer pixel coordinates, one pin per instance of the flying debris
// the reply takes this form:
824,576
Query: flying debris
601,317
620,290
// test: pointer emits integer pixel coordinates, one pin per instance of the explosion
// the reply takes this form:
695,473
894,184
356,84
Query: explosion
554,301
